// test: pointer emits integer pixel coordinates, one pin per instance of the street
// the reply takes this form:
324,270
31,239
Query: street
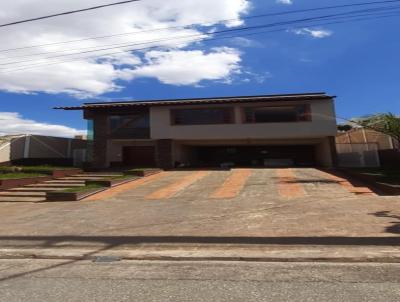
68,280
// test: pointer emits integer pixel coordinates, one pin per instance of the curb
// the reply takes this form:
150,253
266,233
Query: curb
369,255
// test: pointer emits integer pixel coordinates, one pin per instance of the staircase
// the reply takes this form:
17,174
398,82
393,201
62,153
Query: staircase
37,192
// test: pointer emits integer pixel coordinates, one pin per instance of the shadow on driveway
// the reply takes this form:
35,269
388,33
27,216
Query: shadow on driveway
115,241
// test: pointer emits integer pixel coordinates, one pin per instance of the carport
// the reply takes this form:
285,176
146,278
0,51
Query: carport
256,155
301,153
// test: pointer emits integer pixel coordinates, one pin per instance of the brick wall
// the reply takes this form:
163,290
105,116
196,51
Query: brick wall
164,153
100,127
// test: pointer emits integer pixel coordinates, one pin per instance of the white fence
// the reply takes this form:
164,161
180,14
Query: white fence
358,155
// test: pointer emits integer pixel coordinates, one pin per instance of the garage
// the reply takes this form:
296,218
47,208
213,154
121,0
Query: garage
303,155
139,156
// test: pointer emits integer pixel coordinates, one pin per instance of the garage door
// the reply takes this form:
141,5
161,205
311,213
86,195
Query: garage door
143,156
257,155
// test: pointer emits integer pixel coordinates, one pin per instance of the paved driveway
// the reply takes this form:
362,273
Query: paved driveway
292,204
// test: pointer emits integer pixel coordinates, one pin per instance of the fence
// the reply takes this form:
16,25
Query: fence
358,155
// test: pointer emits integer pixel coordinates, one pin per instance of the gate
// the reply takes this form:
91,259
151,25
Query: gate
358,155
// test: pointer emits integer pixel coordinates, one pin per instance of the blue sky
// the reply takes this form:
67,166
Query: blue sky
359,62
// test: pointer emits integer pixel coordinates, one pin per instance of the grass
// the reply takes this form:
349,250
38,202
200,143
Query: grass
46,169
121,177
83,189
140,169
385,175
19,175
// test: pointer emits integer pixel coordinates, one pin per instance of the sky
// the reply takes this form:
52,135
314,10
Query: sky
170,52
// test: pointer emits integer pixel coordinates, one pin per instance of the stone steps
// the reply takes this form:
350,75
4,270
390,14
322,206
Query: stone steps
64,182
47,185
37,192
21,199
83,178
98,175
22,194
35,189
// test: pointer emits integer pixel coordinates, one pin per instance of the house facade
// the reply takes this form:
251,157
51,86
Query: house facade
267,130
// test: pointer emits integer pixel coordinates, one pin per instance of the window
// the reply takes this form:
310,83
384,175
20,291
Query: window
205,116
118,122
277,114
130,126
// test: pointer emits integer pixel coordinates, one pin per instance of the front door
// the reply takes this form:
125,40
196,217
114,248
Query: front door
139,156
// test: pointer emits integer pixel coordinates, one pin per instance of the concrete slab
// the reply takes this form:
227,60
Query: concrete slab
47,185
35,189
16,193
21,199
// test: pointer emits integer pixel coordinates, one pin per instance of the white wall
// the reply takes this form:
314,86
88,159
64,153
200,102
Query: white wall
323,124
5,155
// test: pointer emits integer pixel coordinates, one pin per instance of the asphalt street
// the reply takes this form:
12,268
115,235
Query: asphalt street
68,280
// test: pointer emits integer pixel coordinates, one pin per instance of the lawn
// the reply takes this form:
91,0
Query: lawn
45,169
384,175
83,188
19,175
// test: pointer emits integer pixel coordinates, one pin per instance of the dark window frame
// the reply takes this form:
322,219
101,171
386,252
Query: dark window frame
305,117
229,111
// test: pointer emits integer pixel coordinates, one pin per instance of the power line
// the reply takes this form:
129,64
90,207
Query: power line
32,66
123,45
193,24
68,12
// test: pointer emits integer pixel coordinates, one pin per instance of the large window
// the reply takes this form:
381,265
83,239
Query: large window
130,126
277,114
206,116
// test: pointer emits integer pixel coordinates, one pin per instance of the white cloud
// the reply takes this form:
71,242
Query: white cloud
189,67
315,33
86,76
14,123
287,2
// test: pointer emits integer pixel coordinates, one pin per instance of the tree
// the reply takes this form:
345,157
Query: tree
387,123
344,127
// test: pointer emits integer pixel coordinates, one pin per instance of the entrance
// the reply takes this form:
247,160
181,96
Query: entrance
139,156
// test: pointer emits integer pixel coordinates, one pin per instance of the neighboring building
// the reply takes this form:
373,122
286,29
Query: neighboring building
362,147
267,130
39,149
366,136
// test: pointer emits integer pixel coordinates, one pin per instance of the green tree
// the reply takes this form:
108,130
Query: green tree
387,123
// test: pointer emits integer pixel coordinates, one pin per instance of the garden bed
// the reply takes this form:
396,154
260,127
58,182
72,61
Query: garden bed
112,182
74,194
143,172
13,180
54,171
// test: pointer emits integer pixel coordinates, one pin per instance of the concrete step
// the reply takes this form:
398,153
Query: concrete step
64,182
35,189
22,194
21,199
99,174
84,178
46,185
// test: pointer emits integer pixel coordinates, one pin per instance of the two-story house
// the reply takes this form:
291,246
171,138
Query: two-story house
265,130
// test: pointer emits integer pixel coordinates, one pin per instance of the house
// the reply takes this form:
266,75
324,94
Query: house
264,130
27,149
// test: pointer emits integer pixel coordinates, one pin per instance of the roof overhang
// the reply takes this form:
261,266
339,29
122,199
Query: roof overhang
200,101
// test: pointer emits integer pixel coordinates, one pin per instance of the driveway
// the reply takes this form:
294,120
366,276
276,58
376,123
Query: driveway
267,205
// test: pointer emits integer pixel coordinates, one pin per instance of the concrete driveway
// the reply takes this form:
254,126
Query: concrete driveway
275,206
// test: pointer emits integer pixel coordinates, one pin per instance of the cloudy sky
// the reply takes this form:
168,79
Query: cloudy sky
155,49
